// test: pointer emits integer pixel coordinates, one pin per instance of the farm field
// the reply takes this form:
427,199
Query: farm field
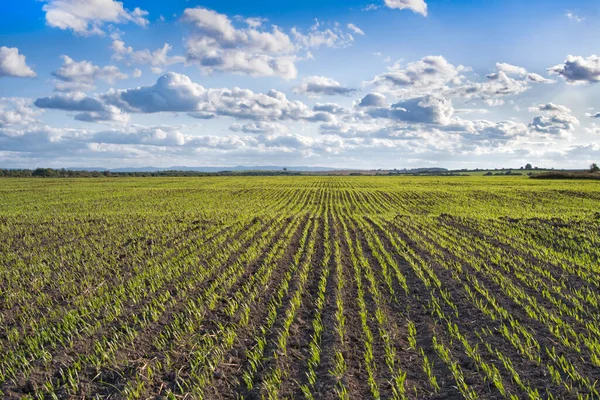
299,287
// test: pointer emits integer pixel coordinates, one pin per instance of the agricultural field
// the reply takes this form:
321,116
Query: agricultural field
299,287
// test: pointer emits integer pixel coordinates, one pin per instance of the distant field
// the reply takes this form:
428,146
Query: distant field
502,171
300,287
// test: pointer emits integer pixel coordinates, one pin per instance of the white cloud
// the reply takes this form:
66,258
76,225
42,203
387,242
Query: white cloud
417,6
88,109
509,80
177,93
171,93
316,37
87,17
139,135
82,75
371,7
535,78
356,29
557,120
258,127
431,119
509,69
136,142
434,74
574,17
158,59
70,102
14,64
330,108
373,100
17,111
498,84
109,114
578,70
557,124
320,85
430,109
215,44
550,107
424,76
255,22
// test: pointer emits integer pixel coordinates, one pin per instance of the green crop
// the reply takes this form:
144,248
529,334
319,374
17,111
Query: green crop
299,287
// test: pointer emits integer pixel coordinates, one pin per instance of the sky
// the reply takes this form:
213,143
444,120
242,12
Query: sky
346,84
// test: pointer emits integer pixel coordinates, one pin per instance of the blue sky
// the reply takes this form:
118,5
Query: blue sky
384,84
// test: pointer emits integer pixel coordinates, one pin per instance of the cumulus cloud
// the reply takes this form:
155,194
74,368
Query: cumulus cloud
550,107
557,124
178,93
14,64
514,70
140,135
496,132
356,29
434,74
316,37
108,114
17,111
417,6
158,59
81,76
426,75
89,109
578,70
216,44
88,17
320,85
255,22
557,120
535,78
373,100
70,102
41,141
141,142
430,109
429,118
171,93
509,69
258,127
497,85
330,108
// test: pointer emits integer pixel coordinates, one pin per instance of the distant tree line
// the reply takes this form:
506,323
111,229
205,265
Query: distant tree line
592,173
509,172
69,173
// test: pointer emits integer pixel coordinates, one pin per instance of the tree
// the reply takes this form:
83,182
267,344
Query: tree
594,167
43,172
529,166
